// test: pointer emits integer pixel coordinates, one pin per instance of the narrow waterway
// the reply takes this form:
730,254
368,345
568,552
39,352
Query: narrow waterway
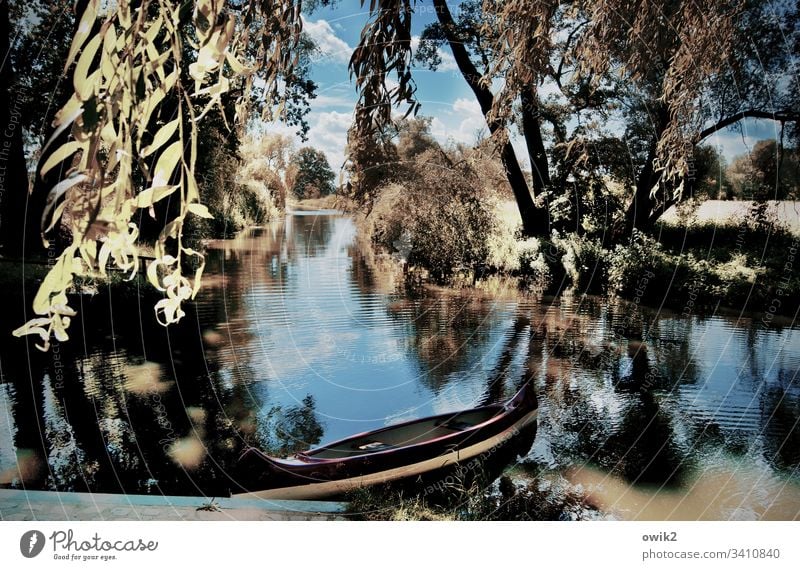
299,338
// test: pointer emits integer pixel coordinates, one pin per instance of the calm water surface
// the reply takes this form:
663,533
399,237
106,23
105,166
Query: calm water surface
300,337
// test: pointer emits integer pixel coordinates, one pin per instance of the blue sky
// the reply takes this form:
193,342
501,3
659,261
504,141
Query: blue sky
444,94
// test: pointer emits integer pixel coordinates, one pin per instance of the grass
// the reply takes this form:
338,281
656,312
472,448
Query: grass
512,497
331,202
695,269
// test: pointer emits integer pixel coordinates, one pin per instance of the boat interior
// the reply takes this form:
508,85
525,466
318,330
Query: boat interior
405,434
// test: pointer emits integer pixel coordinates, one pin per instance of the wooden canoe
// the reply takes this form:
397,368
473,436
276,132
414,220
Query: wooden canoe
387,454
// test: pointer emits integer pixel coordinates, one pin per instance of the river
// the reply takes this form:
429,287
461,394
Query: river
299,336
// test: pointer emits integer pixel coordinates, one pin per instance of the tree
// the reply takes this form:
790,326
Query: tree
693,66
13,173
267,159
767,172
39,93
314,177
386,45
128,59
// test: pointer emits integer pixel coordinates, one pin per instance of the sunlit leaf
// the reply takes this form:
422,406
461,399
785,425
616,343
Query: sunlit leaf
59,155
200,210
166,164
84,86
161,137
84,29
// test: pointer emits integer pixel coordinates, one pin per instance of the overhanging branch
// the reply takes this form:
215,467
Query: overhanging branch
781,116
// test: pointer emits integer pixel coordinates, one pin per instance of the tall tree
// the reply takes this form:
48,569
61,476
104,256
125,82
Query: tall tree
314,176
697,65
16,236
460,36
385,46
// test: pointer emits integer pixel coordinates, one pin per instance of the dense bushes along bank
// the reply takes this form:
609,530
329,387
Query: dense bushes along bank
746,266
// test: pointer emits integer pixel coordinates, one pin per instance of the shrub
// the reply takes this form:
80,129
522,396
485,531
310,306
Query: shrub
447,222
585,262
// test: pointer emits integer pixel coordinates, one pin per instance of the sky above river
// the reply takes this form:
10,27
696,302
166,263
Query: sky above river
444,94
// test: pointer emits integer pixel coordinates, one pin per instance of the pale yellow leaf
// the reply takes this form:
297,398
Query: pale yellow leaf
166,164
200,210
59,155
83,31
162,136
84,86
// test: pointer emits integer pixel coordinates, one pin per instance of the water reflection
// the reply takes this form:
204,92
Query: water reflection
301,336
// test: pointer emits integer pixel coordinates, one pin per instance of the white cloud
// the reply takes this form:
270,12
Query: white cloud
328,133
461,123
325,101
464,106
329,44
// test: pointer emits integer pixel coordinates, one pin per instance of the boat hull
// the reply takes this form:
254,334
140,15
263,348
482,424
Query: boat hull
310,478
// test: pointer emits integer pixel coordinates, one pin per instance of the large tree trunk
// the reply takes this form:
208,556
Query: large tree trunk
531,129
19,232
534,218
640,210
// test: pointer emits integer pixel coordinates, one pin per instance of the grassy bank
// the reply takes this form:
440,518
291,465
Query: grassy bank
696,268
330,202
512,497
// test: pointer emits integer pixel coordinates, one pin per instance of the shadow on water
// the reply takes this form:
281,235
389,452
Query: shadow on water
298,339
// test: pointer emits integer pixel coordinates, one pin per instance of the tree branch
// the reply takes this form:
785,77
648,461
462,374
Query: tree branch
782,116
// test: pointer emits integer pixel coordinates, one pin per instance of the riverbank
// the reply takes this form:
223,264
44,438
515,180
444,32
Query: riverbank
18,505
744,264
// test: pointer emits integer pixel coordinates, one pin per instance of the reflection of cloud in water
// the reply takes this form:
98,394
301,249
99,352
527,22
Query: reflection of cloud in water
728,491
458,397
143,379
188,452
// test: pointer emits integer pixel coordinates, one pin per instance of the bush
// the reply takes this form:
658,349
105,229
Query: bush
585,262
439,215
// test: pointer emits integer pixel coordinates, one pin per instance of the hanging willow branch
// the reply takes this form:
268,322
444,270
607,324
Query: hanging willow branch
125,69
678,46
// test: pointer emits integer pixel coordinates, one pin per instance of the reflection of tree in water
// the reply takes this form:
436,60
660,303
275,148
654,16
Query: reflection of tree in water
101,417
596,410
309,235
447,334
670,344
781,434
283,431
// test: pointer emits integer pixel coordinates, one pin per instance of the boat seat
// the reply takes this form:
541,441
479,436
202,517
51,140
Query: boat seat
454,424
373,446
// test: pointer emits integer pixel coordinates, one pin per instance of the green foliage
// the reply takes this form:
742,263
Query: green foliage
585,262
314,176
768,172
730,271
447,221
